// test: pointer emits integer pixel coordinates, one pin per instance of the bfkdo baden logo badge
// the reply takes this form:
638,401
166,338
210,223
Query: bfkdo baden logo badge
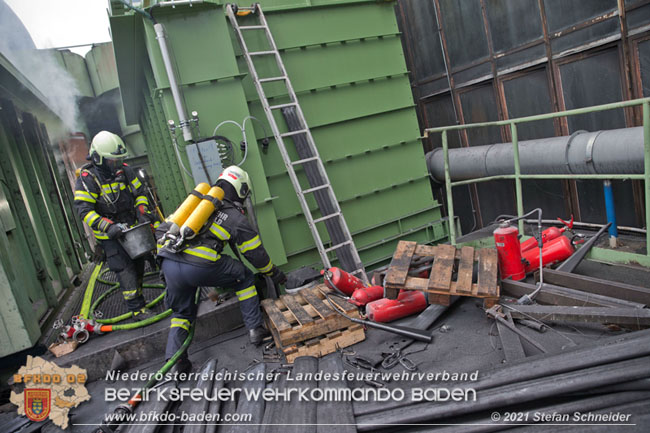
37,403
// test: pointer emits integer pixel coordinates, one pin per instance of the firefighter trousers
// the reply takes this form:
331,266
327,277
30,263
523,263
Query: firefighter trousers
129,273
183,279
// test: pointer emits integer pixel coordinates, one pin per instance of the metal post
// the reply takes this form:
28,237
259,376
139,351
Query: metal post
646,160
611,212
520,199
450,199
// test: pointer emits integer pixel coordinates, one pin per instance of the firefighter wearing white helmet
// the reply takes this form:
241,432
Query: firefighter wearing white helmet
200,262
109,196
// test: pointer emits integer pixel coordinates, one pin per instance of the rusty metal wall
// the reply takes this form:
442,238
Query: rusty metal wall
510,59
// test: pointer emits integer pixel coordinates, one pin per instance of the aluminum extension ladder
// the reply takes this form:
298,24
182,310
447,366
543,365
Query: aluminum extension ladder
345,238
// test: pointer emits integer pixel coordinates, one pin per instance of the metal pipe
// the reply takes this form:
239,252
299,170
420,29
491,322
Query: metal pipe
618,151
646,165
579,224
450,197
173,85
611,212
174,3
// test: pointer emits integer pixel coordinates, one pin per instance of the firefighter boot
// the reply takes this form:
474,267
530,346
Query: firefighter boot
142,314
257,335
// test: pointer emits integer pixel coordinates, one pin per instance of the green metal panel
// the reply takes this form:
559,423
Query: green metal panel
19,328
350,76
346,63
101,68
76,66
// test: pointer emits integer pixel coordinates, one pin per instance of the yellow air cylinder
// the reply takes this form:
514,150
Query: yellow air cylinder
187,207
201,214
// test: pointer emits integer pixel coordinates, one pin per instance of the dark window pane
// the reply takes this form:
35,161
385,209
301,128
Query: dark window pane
592,81
592,33
423,38
440,112
561,14
505,18
463,25
528,95
638,17
479,105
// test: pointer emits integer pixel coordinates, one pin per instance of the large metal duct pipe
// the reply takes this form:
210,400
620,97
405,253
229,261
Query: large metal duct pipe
615,151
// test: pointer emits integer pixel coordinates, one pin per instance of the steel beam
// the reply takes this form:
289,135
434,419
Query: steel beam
620,316
599,286
556,295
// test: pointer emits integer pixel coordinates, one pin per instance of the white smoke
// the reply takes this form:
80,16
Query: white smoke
40,67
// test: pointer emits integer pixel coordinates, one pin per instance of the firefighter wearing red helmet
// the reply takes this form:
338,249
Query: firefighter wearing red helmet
109,197
200,263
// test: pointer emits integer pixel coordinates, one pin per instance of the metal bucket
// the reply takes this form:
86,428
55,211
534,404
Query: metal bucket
138,241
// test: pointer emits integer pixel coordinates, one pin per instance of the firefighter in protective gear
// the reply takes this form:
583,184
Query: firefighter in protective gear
199,263
108,197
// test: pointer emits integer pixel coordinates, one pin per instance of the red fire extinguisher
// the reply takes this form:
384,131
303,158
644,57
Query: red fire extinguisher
363,295
547,235
341,280
506,238
386,310
553,251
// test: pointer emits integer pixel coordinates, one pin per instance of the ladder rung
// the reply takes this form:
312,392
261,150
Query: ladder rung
357,271
275,107
327,250
261,53
289,134
316,188
266,80
302,161
251,27
326,217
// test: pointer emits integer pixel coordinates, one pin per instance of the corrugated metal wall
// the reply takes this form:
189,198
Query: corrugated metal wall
509,59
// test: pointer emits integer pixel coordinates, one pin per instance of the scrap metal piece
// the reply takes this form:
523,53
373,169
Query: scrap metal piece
620,316
496,313
572,262
510,341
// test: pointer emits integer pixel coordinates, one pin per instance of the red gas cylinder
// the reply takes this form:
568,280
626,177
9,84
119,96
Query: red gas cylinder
386,310
547,235
552,252
506,238
363,295
342,280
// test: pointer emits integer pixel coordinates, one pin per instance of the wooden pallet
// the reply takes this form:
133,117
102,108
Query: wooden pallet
325,344
305,322
439,286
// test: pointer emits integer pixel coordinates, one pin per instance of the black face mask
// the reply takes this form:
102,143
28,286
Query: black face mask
110,167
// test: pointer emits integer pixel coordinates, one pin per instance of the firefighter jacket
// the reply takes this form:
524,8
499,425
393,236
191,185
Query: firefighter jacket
227,225
102,201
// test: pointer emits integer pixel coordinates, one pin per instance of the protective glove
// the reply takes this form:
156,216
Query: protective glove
277,276
114,231
144,216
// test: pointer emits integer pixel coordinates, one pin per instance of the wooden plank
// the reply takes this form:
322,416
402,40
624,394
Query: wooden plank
438,299
465,271
440,278
327,344
510,342
315,301
399,265
294,306
275,315
391,293
598,286
487,272
426,251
